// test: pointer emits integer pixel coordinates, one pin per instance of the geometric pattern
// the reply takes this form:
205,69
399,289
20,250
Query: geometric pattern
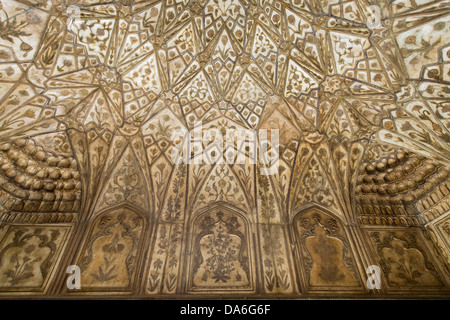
93,92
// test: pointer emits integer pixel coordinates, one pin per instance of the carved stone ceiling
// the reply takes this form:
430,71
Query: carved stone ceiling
92,93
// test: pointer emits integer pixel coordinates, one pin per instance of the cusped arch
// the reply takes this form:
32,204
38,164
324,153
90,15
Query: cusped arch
112,250
221,251
323,256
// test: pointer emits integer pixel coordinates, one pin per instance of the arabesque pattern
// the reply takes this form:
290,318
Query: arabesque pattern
94,95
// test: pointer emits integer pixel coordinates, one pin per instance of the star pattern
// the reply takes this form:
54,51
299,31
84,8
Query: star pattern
94,95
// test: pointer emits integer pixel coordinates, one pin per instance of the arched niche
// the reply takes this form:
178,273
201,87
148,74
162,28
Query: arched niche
221,251
324,259
112,250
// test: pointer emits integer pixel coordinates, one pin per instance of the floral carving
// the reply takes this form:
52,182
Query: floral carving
403,261
110,253
28,254
220,252
325,251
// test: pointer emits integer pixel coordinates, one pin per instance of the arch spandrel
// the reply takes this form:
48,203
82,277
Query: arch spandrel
95,96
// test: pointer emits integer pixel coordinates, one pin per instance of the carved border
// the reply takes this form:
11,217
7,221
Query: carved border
67,228
301,264
139,258
424,248
215,208
39,217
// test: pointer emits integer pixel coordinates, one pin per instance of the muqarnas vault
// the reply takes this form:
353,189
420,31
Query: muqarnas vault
91,93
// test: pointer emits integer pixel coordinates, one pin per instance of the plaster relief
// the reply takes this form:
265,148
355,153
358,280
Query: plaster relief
220,253
111,251
325,253
28,255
